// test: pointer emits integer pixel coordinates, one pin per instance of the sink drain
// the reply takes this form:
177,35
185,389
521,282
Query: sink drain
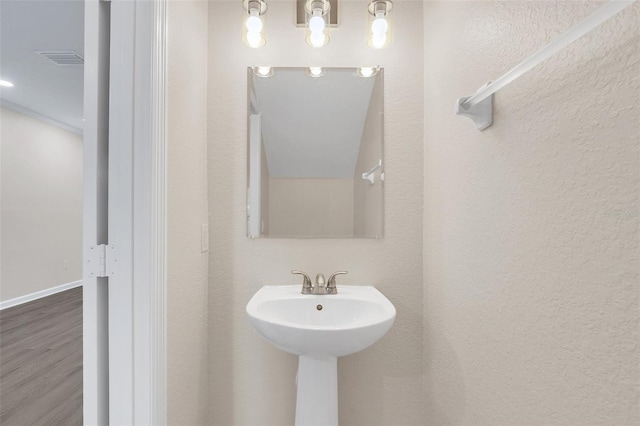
319,307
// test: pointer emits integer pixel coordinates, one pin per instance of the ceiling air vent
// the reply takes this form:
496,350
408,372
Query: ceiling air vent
62,57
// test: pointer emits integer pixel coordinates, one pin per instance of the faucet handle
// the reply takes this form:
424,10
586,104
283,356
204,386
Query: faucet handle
307,287
331,284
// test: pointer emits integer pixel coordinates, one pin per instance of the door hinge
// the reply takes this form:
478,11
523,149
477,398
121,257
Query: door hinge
101,260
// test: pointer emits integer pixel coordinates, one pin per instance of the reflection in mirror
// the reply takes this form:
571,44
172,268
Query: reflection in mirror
315,152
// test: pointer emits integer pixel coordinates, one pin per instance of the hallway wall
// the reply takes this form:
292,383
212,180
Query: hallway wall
41,217
531,241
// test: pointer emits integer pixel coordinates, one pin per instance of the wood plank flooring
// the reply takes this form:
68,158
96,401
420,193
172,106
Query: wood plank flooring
41,361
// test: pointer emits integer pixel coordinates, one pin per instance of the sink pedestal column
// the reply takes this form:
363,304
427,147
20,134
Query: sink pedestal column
317,398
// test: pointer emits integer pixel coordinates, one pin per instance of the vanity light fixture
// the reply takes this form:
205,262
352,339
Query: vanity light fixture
379,23
253,23
367,72
315,72
316,22
263,71
5,83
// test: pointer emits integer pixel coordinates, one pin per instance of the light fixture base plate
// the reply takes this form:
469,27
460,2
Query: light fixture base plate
300,13
388,5
262,3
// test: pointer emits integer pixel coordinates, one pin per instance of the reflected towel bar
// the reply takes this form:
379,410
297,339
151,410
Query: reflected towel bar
479,107
369,176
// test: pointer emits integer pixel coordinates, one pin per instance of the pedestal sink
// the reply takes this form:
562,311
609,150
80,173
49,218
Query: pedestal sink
320,328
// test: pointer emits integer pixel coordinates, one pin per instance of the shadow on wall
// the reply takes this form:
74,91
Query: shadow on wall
362,378
445,397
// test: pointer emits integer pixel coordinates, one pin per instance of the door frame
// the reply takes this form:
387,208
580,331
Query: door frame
125,119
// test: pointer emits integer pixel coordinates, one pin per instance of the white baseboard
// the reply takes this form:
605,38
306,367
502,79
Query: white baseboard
38,294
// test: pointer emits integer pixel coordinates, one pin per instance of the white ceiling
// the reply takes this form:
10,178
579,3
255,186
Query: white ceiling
49,90
312,127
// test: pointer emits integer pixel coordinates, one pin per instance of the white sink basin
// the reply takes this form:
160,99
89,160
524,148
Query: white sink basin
320,328
337,324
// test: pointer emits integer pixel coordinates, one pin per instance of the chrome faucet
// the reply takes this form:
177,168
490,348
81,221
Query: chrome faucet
307,288
321,286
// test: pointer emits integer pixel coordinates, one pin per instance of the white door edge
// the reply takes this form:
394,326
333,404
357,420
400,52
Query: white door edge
128,386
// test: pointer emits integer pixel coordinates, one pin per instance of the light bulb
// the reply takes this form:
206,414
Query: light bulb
378,40
379,25
366,71
315,71
254,39
316,24
317,39
379,29
5,83
264,71
254,24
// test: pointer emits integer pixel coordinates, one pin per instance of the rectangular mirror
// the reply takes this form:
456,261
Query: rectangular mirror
315,152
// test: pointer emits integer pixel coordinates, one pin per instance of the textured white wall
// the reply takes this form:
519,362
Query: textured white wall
531,253
187,209
41,215
251,382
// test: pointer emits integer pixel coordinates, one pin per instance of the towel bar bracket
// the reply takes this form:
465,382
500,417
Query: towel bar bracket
481,113
368,176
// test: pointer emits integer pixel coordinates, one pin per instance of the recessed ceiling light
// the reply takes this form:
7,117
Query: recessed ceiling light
5,83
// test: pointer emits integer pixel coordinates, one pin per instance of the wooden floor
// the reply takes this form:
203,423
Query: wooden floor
41,361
